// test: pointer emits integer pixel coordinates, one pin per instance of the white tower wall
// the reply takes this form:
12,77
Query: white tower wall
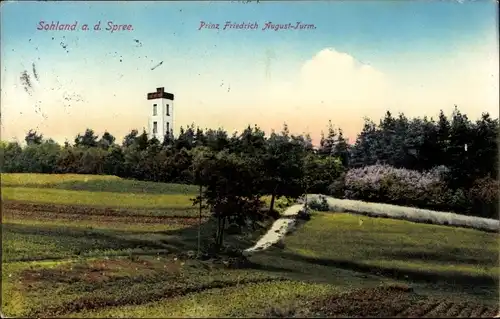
161,114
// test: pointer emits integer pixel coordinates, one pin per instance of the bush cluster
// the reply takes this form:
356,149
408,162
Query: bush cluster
319,204
428,189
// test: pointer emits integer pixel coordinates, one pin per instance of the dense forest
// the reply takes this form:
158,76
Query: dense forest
447,163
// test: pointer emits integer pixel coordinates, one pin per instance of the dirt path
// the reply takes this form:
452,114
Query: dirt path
278,230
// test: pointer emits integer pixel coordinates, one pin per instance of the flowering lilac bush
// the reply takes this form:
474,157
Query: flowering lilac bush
386,184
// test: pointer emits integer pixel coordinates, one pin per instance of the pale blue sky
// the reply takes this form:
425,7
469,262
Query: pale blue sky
424,55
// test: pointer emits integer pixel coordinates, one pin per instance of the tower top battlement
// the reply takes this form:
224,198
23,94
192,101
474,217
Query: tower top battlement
160,94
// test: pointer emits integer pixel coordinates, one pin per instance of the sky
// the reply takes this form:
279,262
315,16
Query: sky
361,59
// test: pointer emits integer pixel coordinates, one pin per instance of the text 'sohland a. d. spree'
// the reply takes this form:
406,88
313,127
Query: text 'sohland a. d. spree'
78,26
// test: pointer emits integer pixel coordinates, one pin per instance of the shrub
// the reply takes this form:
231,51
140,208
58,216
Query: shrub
386,184
383,183
321,172
337,188
319,204
283,202
304,215
484,197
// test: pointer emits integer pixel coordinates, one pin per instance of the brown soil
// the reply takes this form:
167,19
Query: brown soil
387,302
95,271
101,214
89,210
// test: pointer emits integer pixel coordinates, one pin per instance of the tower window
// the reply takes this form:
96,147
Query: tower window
155,110
168,110
168,128
155,127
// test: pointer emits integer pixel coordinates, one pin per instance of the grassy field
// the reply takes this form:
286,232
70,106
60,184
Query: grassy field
121,254
94,183
90,190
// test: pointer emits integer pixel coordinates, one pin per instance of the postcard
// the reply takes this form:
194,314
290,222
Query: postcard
249,158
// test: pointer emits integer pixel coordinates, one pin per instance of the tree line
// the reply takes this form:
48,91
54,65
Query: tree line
284,164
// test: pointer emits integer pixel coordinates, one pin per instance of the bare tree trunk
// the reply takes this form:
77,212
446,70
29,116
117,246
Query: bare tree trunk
199,222
306,204
217,233
273,197
220,232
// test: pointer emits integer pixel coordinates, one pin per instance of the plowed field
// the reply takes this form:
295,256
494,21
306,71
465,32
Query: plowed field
392,302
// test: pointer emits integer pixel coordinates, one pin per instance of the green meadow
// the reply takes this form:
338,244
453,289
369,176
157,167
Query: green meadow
102,246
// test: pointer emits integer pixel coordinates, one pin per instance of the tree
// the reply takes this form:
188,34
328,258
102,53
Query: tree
217,140
39,158
229,189
283,166
88,139
341,149
363,152
142,141
386,149
483,150
321,172
327,144
107,140
114,161
458,155
251,142
308,144
129,139
201,155
199,138
33,138
12,153
92,161
443,138
430,153
168,140
185,139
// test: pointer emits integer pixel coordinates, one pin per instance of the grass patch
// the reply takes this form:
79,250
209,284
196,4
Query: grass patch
380,242
462,262
103,199
93,183
42,240
98,284
237,301
21,179
38,242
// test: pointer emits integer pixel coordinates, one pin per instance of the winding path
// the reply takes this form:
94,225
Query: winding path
278,230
